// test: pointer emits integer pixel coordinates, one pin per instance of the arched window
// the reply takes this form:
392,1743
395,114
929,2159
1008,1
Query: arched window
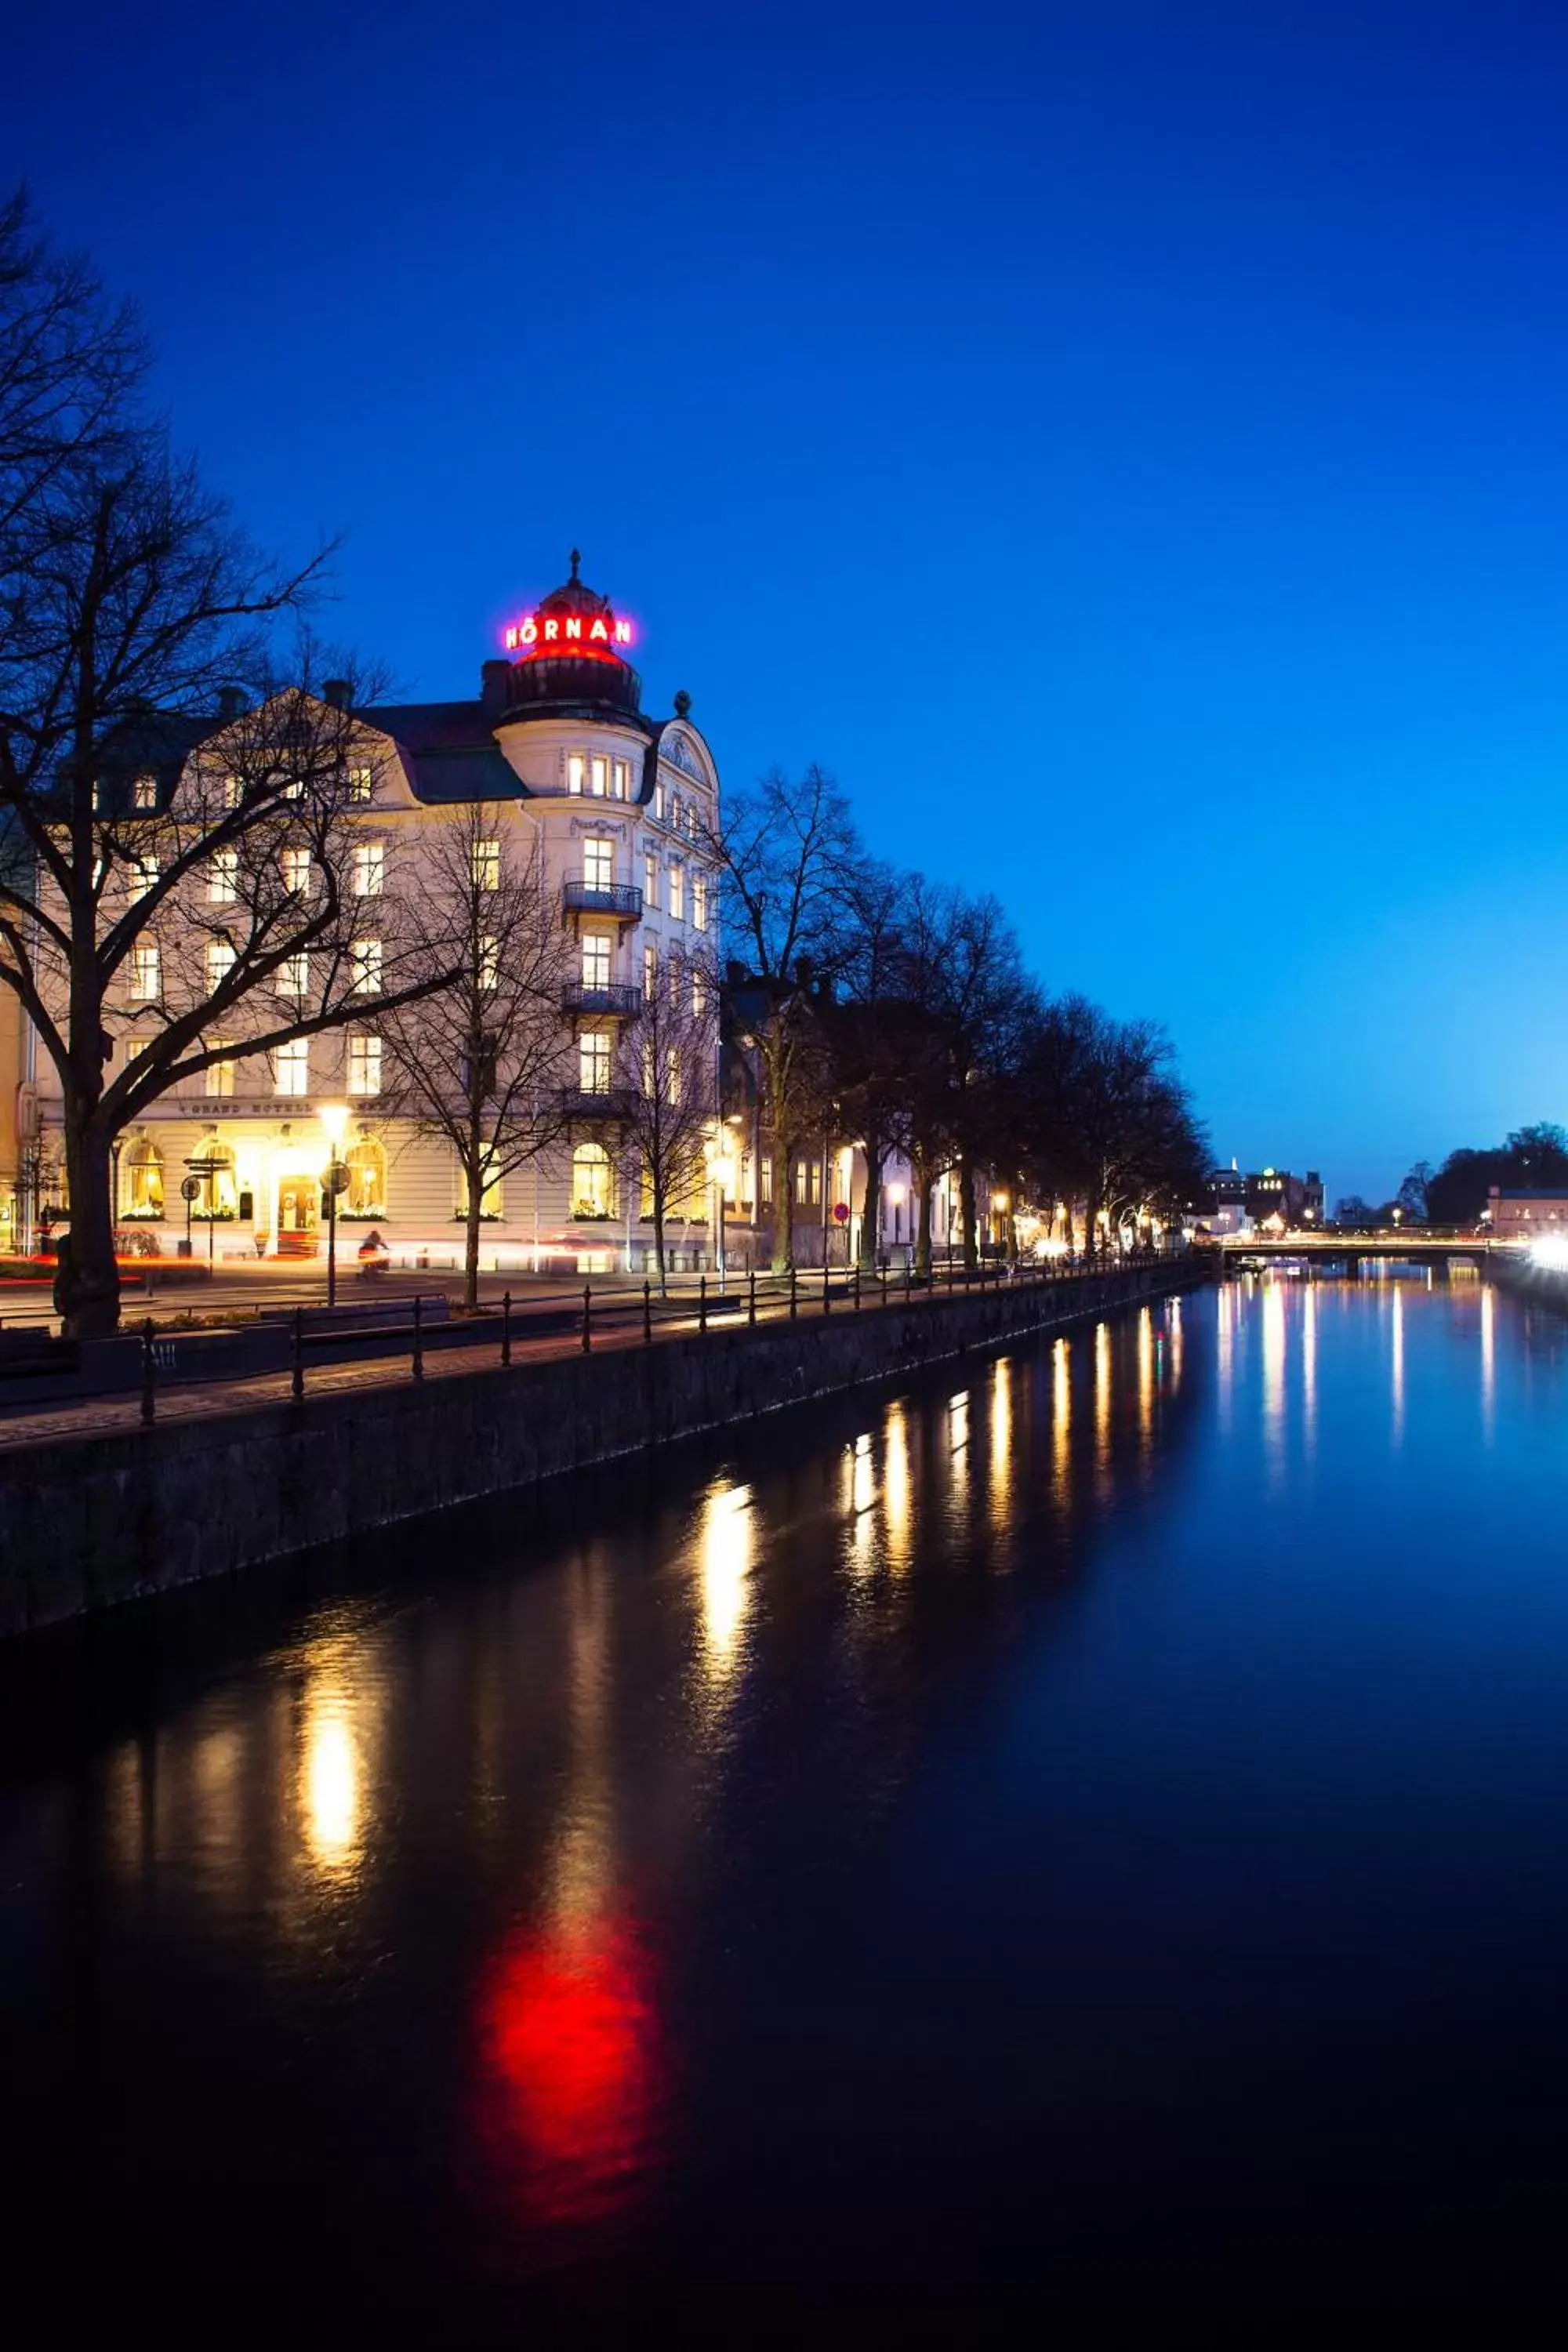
490,1199
592,1181
141,1180
365,1160
218,1199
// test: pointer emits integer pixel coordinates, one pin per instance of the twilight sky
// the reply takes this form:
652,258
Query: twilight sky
1125,441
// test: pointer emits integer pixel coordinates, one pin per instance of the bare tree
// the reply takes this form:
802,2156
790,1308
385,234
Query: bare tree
481,1062
150,816
787,856
670,1069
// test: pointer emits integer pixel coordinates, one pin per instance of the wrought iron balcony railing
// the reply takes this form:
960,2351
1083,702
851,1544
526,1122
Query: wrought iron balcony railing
587,1104
621,997
580,897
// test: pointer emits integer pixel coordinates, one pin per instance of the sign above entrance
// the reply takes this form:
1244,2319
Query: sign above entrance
545,632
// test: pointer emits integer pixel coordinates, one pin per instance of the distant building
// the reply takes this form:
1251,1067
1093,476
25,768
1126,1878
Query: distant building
1230,1202
1526,1216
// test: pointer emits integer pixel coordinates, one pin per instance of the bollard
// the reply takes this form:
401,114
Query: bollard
418,1337
857,1289
826,1299
297,1386
647,1312
149,1374
587,1316
752,1298
793,1309
506,1326
884,1280
702,1303
908,1277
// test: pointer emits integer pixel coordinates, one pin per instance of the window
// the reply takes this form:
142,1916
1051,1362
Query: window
362,786
598,776
218,1199
294,790
231,792
145,979
370,870
800,1180
365,1160
490,1196
672,1077
486,859
141,1182
677,890
688,821
576,768
594,1063
699,993
365,966
294,975
592,1181
672,976
649,973
220,963
621,779
596,962
699,901
815,1183
291,1068
364,1064
297,872
658,798
144,794
599,864
489,960
223,878
144,872
650,878
767,1184
219,1075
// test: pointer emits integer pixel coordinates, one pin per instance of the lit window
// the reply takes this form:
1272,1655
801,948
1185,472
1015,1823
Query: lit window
649,972
650,878
598,776
291,1068
364,1064
489,960
594,1063
145,873
486,857
576,767
362,786
658,798
816,1184
677,890
223,881
366,965
673,970
596,962
599,865
672,1077
370,870
219,1075
143,1182
144,794
366,1163
144,973
699,901
767,1184
800,1180
97,798
220,963
699,993
490,1196
294,790
675,811
621,779
592,1181
231,792
294,975
297,872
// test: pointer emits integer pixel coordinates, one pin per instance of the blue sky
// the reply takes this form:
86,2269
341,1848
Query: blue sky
1125,443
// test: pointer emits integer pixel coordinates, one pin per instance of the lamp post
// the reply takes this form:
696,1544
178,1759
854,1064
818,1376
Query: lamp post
335,1118
896,1196
721,1154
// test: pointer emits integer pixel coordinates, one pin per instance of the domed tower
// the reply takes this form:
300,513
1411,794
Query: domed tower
568,655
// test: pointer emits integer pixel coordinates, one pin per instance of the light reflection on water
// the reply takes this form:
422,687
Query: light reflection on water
651,1885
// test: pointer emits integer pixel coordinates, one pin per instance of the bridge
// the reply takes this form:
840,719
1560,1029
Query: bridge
1413,1245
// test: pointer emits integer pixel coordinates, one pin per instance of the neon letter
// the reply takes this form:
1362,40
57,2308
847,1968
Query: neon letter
599,631
623,633
551,631
529,633
573,629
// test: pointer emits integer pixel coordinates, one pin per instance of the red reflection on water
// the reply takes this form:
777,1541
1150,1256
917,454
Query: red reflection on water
569,2037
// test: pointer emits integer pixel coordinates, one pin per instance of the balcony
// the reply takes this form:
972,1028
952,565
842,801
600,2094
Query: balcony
587,1106
621,997
580,897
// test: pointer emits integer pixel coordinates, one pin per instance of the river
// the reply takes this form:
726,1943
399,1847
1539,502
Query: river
1088,1836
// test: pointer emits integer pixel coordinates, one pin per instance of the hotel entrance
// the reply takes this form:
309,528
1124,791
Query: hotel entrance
298,1213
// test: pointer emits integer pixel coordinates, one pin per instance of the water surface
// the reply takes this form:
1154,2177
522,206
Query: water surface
1090,1836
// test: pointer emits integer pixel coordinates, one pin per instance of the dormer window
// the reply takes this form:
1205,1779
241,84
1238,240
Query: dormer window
144,794
362,786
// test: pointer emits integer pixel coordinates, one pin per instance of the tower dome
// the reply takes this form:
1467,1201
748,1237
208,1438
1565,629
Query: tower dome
567,652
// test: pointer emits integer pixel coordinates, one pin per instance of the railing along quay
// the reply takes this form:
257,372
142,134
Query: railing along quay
394,1343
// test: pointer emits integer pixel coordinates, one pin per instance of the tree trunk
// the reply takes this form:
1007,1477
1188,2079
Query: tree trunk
471,1247
783,1208
966,1204
925,1189
658,1256
87,1284
871,1207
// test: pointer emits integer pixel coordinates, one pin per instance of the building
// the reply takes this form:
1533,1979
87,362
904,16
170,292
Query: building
1527,1216
1231,1203
625,811
17,1115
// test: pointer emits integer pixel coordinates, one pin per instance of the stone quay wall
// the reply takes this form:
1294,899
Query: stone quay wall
89,1522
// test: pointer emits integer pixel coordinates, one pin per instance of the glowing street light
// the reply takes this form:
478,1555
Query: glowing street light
335,1118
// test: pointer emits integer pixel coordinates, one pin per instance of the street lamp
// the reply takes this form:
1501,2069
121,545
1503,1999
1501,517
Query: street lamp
335,1118
999,1206
720,1150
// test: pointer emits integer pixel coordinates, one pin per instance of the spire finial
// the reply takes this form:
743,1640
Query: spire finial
576,559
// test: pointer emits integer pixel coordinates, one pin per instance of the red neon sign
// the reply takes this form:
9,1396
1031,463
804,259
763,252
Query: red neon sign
540,632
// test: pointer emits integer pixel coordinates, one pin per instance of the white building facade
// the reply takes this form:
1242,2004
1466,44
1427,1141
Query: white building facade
624,811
